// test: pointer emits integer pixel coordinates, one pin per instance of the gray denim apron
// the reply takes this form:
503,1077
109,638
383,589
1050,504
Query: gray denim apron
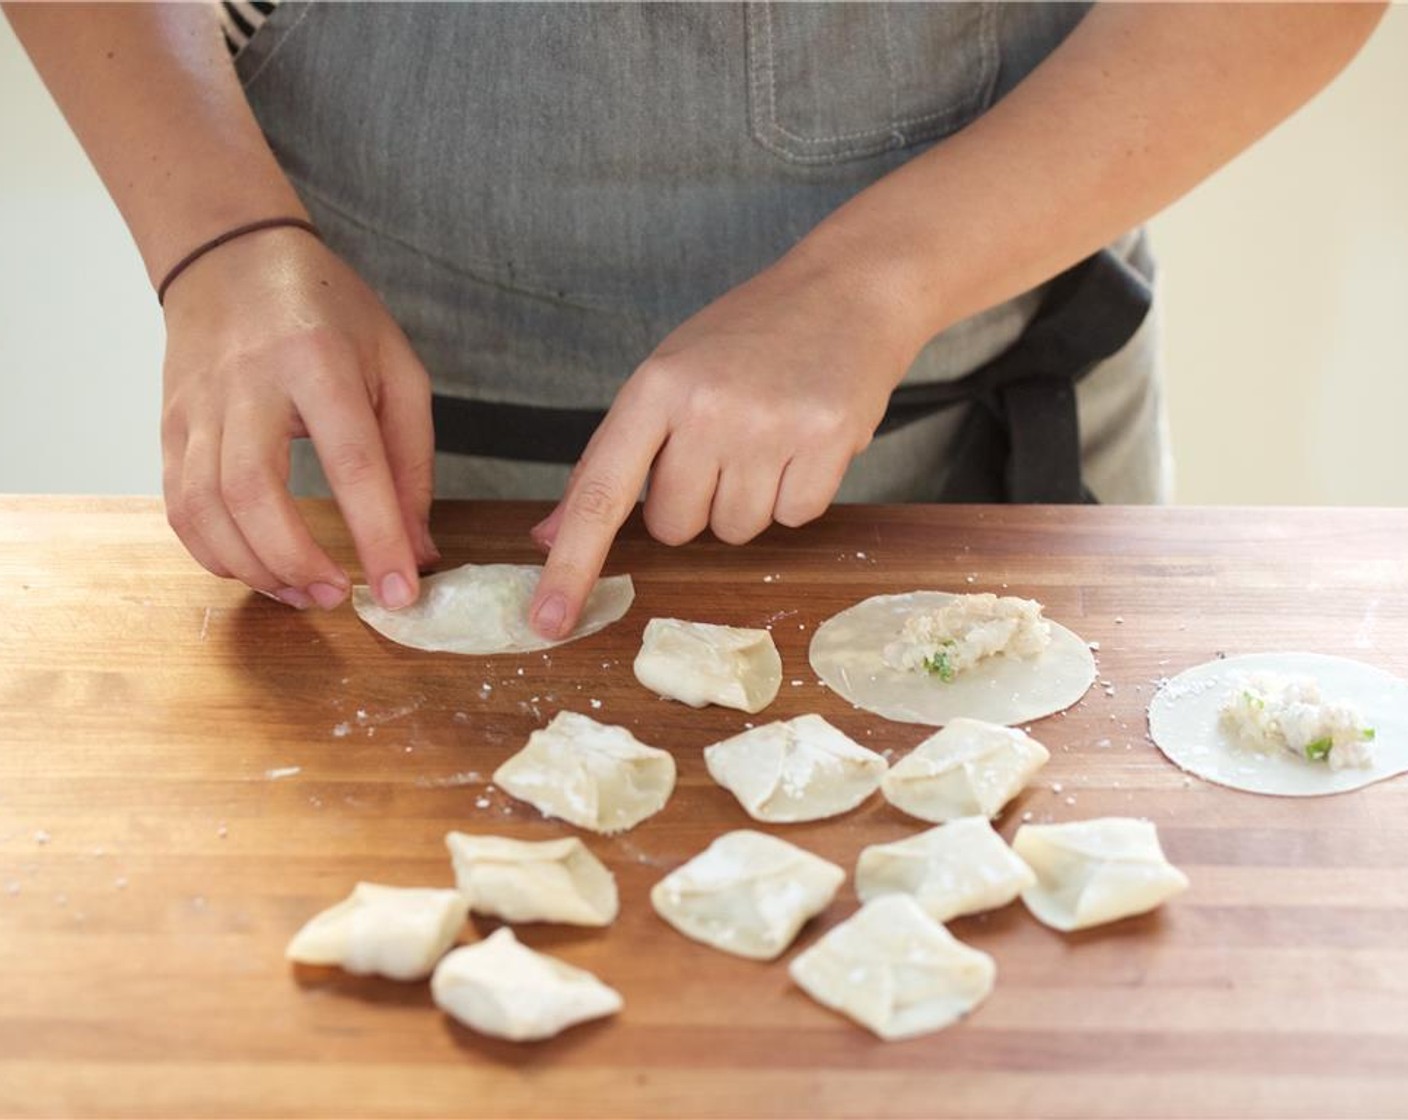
541,192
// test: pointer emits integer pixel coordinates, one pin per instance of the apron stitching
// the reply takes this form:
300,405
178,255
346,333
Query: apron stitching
548,295
891,67
879,132
283,38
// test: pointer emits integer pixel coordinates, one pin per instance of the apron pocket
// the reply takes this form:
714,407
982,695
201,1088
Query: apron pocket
834,82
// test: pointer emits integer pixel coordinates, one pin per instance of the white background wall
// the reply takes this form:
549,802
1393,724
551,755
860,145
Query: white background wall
1285,285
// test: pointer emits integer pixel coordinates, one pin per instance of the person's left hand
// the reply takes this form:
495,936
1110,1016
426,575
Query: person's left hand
748,413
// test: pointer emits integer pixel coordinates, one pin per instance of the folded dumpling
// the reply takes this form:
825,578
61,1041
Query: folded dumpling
702,663
895,970
802,769
1095,871
962,867
970,768
533,881
589,774
483,609
502,988
747,893
396,932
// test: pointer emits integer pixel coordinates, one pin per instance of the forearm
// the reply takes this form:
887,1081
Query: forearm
1135,108
151,95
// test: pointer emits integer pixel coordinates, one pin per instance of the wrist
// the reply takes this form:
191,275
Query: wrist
864,266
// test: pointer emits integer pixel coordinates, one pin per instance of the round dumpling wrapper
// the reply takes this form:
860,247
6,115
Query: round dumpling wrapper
847,652
1186,724
483,609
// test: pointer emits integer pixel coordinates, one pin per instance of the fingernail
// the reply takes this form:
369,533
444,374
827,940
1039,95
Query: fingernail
550,617
395,592
541,535
293,597
326,595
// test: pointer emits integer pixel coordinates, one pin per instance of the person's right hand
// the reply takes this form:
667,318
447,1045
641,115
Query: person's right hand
272,337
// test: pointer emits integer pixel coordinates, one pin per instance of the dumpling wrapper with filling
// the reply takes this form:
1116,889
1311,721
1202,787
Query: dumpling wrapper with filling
747,893
701,663
589,774
502,988
801,769
1185,723
895,970
396,932
847,652
963,867
533,881
1095,871
483,609
969,768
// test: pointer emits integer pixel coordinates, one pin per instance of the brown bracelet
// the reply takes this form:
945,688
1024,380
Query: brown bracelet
229,235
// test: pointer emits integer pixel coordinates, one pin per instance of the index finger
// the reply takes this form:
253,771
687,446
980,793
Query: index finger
599,498
348,441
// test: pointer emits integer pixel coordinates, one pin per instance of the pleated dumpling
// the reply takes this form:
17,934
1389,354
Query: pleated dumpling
701,663
895,970
589,774
396,932
962,867
970,768
1095,871
533,881
502,988
802,769
747,893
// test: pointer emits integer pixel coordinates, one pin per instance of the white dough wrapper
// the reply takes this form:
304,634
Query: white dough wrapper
1095,871
701,663
483,609
396,932
895,970
747,893
533,880
590,774
847,652
963,867
801,769
1185,723
502,988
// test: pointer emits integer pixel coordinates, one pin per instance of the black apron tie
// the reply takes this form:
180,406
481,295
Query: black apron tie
1022,441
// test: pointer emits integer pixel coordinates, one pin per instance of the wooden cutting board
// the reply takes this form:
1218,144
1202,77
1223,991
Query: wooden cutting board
189,772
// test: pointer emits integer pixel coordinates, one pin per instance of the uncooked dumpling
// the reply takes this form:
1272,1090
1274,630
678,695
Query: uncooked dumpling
700,663
848,652
895,970
483,609
802,769
589,774
1186,721
502,988
533,881
747,893
1095,871
397,932
969,768
962,867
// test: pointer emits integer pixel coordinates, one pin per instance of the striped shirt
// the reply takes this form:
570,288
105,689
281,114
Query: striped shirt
240,19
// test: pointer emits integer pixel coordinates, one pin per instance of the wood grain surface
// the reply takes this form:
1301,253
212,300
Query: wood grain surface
154,862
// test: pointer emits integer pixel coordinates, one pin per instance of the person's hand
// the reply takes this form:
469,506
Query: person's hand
748,413
271,338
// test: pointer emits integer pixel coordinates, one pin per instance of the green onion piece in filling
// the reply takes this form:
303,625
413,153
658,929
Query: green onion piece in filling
1319,750
939,666
1368,734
